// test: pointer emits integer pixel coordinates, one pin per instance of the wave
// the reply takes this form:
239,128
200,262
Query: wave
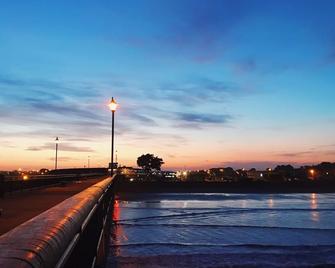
161,197
174,225
255,246
227,211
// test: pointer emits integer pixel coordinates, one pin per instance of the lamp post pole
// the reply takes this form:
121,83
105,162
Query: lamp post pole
112,106
56,158
112,149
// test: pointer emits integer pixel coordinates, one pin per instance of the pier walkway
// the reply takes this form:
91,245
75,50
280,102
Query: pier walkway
19,207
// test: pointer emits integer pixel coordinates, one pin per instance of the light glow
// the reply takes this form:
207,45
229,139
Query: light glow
112,105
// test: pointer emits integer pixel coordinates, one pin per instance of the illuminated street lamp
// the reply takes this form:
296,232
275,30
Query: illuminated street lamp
56,158
112,106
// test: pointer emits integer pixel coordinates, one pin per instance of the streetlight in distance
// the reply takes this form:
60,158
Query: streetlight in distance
56,158
312,172
112,106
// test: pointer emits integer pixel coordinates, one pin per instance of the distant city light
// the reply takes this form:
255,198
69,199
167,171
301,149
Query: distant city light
25,177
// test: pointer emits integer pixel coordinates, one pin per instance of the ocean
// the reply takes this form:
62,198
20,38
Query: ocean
223,230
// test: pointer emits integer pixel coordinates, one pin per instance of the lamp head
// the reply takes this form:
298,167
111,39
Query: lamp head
57,140
112,105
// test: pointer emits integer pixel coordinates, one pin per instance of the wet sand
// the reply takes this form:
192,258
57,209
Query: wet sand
21,206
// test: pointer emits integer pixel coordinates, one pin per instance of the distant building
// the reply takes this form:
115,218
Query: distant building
131,172
169,174
255,174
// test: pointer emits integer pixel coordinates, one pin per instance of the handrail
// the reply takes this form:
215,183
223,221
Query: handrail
51,176
50,239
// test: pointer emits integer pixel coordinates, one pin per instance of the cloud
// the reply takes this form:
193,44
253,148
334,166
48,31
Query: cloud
198,32
68,109
196,91
62,146
204,118
296,154
6,144
75,119
49,89
311,152
143,119
63,159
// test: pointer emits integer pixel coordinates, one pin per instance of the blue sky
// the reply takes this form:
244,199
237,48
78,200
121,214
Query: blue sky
199,83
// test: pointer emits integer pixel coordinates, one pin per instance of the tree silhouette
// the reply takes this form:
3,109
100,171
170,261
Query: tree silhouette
150,162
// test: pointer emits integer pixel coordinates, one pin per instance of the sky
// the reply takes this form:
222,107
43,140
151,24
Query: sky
199,83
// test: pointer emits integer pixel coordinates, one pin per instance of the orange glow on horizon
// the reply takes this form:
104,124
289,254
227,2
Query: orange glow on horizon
178,157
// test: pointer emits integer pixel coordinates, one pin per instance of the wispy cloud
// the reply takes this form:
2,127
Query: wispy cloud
203,118
63,159
53,90
7,144
196,32
311,152
296,154
196,91
63,146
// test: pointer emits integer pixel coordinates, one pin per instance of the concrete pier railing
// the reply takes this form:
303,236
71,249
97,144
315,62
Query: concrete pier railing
72,234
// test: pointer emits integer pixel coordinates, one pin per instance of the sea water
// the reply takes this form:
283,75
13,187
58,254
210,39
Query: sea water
218,230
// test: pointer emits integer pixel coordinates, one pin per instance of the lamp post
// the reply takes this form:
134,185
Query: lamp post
112,106
56,158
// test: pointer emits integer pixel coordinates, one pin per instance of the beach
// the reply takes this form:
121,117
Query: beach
223,229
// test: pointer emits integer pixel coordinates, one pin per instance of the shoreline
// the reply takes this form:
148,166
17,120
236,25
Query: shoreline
221,187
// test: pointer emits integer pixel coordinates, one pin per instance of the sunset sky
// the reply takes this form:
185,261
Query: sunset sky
199,83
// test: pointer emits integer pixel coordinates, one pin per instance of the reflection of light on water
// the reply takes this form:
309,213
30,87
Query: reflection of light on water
244,203
116,212
314,201
271,214
117,229
315,216
314,205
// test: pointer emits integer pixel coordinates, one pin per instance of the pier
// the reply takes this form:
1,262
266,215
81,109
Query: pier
73,233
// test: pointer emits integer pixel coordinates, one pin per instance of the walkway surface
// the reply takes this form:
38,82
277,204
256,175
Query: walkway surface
21,206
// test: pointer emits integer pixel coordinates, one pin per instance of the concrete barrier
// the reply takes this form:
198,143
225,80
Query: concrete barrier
59,236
